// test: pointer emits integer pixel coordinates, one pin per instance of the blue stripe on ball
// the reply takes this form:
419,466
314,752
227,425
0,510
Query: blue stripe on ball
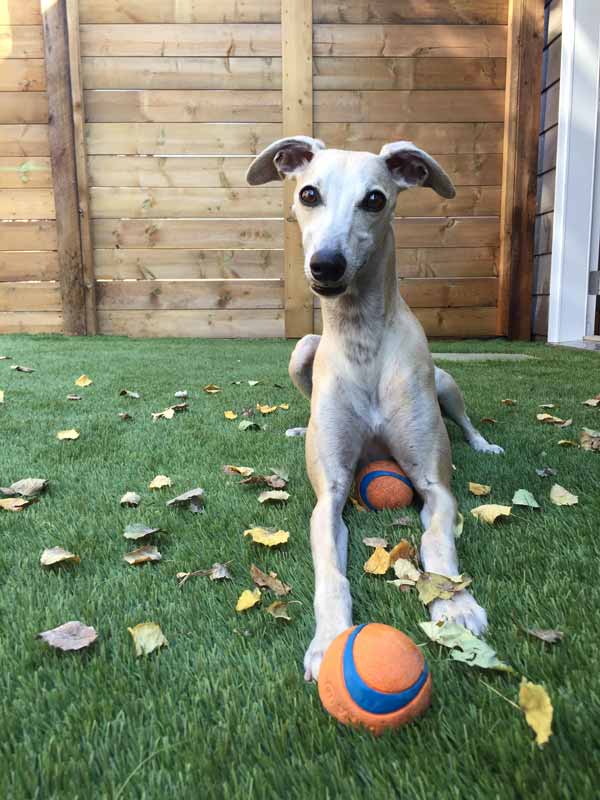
366,482
369,699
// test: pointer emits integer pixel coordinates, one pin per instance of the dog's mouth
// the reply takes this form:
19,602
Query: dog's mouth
328,291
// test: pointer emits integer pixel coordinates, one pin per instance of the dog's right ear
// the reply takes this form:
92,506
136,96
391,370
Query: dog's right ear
282,159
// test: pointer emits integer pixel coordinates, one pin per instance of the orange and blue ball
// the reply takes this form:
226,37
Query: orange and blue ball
374,676
383,484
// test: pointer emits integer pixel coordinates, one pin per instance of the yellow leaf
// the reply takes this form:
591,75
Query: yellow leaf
404,549
379,563
356,504
15,503
160,482
265,409
548,419
279,610
83,381
273,496
212,388
1,396
232,469
70,434
230,415
479,489
567,443
561,497
266,537
57,555
537,707
248,599
432,586
284,406
147,637
490,513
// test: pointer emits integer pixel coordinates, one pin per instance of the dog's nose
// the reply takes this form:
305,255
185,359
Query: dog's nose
327,266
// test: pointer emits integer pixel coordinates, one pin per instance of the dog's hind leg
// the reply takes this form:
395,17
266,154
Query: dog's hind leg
453,406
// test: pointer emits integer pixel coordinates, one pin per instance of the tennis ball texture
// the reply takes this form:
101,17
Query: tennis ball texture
374,676
383,484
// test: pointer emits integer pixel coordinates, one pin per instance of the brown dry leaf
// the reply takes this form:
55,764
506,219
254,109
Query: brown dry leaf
279,610
248,599
57,555
432,586
270,581
131,499
67,435
147,637
508,402
83,381
561,497
537,707
160,482
230,415
488,420
269,538
356,504
21,368
15,503
138,530
143,554
590,440
233,469
273,496
567,443
404,549
217,572
378,563
27,487
128,393
193,499
375,541
548,635
70,636
211,388
593,402
549,419
124,416
479,489
273,481
490,513
74,397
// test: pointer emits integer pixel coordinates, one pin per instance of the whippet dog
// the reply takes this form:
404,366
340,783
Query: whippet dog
374,390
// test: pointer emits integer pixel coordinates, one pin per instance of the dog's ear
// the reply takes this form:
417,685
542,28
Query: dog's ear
282,159
412,167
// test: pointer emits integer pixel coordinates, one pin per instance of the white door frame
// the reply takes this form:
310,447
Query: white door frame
576,234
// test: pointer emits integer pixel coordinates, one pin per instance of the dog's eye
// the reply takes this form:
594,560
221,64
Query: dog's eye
374,201
309,196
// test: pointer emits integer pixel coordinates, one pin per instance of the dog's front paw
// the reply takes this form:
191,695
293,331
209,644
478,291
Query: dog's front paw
463,609
487,447
316,650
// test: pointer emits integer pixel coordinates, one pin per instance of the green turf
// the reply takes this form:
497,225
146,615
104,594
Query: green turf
224,711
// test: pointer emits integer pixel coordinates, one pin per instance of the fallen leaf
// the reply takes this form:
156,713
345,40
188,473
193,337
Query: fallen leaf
548,635
70,636
83,381
522,497
432,586
249,425
128,393
547,405
464,645
537,707
248,412
406,572
404,549
273,496
169,412
546,472
138,530
230,415
568,443
232,469
270,581
293,432
70,434
358,506
284,406
181,394
265,409
375,541
131,499
147,637
20,368
566,424
401,522
5,358
253,383
57,555
15,503
593,402
212,388
27,487
279,610
561,497
590,440
280,472
508,402
479,489
142,554
267,537
1,396
160,482
248,599
490,513
459,525
489,420
74,397
378,563
217,572
548,419
193,499
273,481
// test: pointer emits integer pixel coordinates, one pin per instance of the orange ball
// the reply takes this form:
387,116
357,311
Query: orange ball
374,676
383,484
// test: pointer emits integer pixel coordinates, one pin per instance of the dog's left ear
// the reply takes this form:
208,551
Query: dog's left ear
411,167
282,159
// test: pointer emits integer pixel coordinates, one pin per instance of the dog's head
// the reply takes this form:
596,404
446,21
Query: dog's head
344,201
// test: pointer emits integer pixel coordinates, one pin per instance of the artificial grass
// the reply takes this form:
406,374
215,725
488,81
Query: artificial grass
224,711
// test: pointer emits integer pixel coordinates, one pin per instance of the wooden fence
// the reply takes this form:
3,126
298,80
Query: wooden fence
145,227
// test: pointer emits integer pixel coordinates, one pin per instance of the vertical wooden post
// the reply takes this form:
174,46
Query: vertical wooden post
519,172
296,35
62,156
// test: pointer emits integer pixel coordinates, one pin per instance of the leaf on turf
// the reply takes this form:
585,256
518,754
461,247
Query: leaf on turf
27,487
522,497
404,549
273,496
192,499
211,388
21,368
83,381
273,481
70,636
479,489
248,599
378,563
566,424
464,646
432,586
548,635
67,435
375,541
160,482
406,572
265,409
284,406
57,555
546,472
181,394
230,415
169,412
128,393
270,538
74,397
590,439
142,555
488,420
401,522
233,469
537,707
15,503
270,581
549,419
568,443
130,499
1,396
138,530
124,416
593,402
217,572
491,512
147,637
249,425
279,610
253,383
547,405
561,497
459,525
357,505
5,358
508,402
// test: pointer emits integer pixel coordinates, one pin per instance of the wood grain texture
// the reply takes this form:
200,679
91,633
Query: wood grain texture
539,313
447,262
551,63
474,12
549,107
30,235
449,322
447,292
542,234
554,21
25,203
25,172
22,75
547,150
30,297
23,107
226,324
31,322
541,274
171,295
21,12
29,266
24,140
21,41
169,11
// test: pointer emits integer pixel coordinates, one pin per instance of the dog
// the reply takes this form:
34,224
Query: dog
370,378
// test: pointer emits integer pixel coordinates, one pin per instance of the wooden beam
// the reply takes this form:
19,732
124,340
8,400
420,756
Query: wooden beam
521,120
296,35
62,156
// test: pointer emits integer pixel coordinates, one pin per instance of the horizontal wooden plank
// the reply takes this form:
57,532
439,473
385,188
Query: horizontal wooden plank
539,321
203,294
547,150
21,41
449,322
551,63
222,324
449,292
29,266
553,21
21,12
31,322
24,172
541,274
545,192
447,232
24,140
542,237
31,235
23,107
30,297
478,12
549,107
447,262
109,203
22,75
25,203
119,264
